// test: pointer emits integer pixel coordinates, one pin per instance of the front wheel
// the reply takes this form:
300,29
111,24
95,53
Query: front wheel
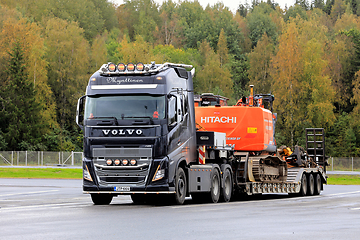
180,186
101,198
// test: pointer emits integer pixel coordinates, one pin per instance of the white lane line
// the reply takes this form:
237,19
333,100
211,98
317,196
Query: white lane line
355,208
339,194
27,193
55,205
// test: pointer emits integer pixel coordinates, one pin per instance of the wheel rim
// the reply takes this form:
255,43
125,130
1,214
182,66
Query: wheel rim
304,184
227,185
181,186
215,183
311,184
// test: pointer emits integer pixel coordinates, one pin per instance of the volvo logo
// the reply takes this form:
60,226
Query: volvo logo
122,132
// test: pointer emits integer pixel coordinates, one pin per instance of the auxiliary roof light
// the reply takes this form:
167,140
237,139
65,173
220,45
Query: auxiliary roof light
112,67
140,66
109,162
117,162
133,162
125,162
131,67
121,67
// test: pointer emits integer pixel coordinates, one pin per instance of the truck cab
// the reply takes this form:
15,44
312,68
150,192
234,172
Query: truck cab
138,125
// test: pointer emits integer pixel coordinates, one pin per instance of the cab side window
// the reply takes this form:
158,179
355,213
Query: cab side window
172,113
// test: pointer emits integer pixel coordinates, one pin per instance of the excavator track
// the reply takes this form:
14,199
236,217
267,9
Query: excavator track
269,169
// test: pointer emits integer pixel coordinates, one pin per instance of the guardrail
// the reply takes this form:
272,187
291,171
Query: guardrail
40,158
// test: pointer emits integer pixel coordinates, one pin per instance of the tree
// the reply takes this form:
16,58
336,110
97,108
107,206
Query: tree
259,21
337,10
68,67
28,35
137,51
260,65
222,49
21,113
98,53
169,31
211,77
303,89
286,75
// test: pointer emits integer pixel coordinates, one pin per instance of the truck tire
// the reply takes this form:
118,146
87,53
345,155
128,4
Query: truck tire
226,191
180,186
318,184
101,199
311,185
303,186
215,186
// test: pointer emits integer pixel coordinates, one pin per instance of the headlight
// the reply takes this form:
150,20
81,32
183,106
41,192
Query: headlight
159,174
86,174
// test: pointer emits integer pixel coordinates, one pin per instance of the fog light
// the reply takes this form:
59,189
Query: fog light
125,162
109,162
133,162
117,162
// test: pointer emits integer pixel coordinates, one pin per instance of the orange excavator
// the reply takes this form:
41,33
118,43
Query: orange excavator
250,130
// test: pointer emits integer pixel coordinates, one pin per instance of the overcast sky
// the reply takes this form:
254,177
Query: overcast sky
232,4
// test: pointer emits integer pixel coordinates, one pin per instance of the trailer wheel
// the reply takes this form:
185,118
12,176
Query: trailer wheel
101,199
226,191
317,187
303,187
311,185
180,186
215,186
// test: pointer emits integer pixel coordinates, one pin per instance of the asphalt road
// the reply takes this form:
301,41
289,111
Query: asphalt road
57,209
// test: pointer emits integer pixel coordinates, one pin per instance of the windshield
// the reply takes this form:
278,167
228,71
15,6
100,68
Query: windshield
126,107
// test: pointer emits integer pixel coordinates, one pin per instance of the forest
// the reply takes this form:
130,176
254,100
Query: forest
306,55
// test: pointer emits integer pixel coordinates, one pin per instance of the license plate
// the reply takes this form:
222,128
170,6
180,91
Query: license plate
122,189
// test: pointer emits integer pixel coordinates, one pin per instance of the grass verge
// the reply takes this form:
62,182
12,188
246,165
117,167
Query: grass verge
48,173
343,179
76,173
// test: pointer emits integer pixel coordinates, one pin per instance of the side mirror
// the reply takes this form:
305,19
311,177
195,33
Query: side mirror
80,112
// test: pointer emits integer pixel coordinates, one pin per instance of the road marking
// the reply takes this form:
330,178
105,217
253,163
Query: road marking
339,194
355,208
27,193
55,205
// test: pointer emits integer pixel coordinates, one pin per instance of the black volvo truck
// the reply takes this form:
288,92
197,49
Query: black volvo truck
139,131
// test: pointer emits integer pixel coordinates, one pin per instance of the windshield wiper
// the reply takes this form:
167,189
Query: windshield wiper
151,120
115,119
